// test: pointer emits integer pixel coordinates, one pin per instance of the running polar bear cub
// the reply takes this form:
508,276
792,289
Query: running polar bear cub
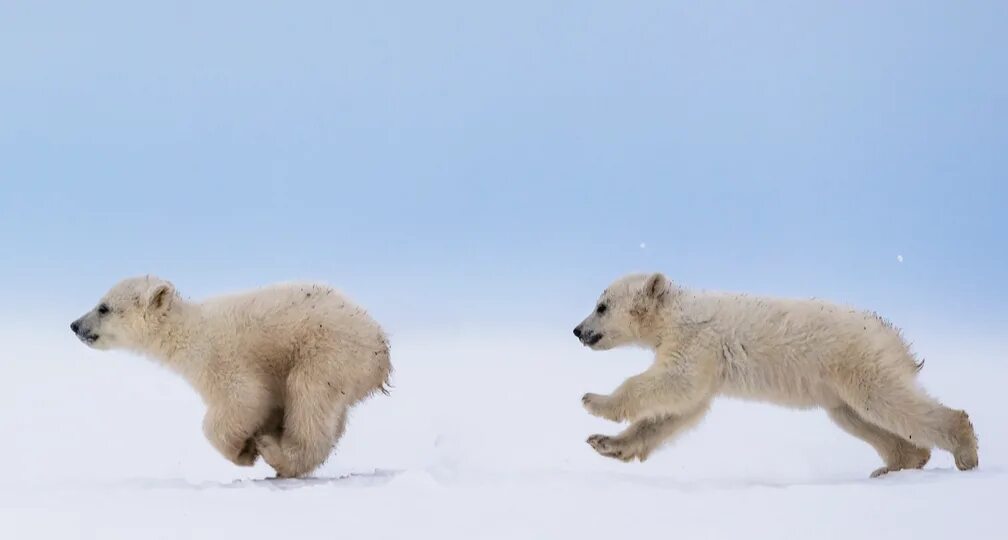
797,353
278,367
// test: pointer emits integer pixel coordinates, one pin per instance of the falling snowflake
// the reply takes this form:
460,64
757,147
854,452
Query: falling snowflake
899,258
643,245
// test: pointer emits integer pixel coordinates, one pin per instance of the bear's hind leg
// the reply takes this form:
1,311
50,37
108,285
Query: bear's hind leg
897,452
900,408
312,423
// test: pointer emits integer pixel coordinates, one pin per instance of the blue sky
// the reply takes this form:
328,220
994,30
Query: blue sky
460,162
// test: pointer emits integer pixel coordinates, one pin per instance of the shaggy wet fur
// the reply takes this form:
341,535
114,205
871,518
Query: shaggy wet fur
796,353
278,368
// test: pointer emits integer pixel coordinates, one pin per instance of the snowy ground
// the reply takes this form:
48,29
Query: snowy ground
483,437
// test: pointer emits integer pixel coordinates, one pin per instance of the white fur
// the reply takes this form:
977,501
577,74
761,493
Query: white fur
797,353
278,367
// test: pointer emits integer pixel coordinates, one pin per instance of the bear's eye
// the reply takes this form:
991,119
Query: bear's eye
103,309
601,309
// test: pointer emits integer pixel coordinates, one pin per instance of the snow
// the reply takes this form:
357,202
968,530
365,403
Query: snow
482,437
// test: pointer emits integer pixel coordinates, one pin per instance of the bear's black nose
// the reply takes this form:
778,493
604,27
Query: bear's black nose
577,332
75,326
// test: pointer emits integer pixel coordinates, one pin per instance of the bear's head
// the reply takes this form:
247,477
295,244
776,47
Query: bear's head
128,315
627,313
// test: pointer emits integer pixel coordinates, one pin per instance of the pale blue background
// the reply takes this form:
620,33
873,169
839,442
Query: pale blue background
470,163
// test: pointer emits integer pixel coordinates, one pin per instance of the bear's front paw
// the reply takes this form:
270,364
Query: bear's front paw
600,406
613,447
248,455
272,452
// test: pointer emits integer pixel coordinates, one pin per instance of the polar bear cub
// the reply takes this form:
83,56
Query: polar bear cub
797,353
278,367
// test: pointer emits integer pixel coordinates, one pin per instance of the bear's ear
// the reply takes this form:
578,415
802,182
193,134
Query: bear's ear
160,296
656,286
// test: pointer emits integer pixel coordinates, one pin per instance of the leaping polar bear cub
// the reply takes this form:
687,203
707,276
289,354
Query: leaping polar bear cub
797,353
278,367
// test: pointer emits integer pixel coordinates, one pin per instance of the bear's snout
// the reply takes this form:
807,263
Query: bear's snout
587,337
82,332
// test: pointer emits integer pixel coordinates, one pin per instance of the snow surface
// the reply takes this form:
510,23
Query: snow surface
482,437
